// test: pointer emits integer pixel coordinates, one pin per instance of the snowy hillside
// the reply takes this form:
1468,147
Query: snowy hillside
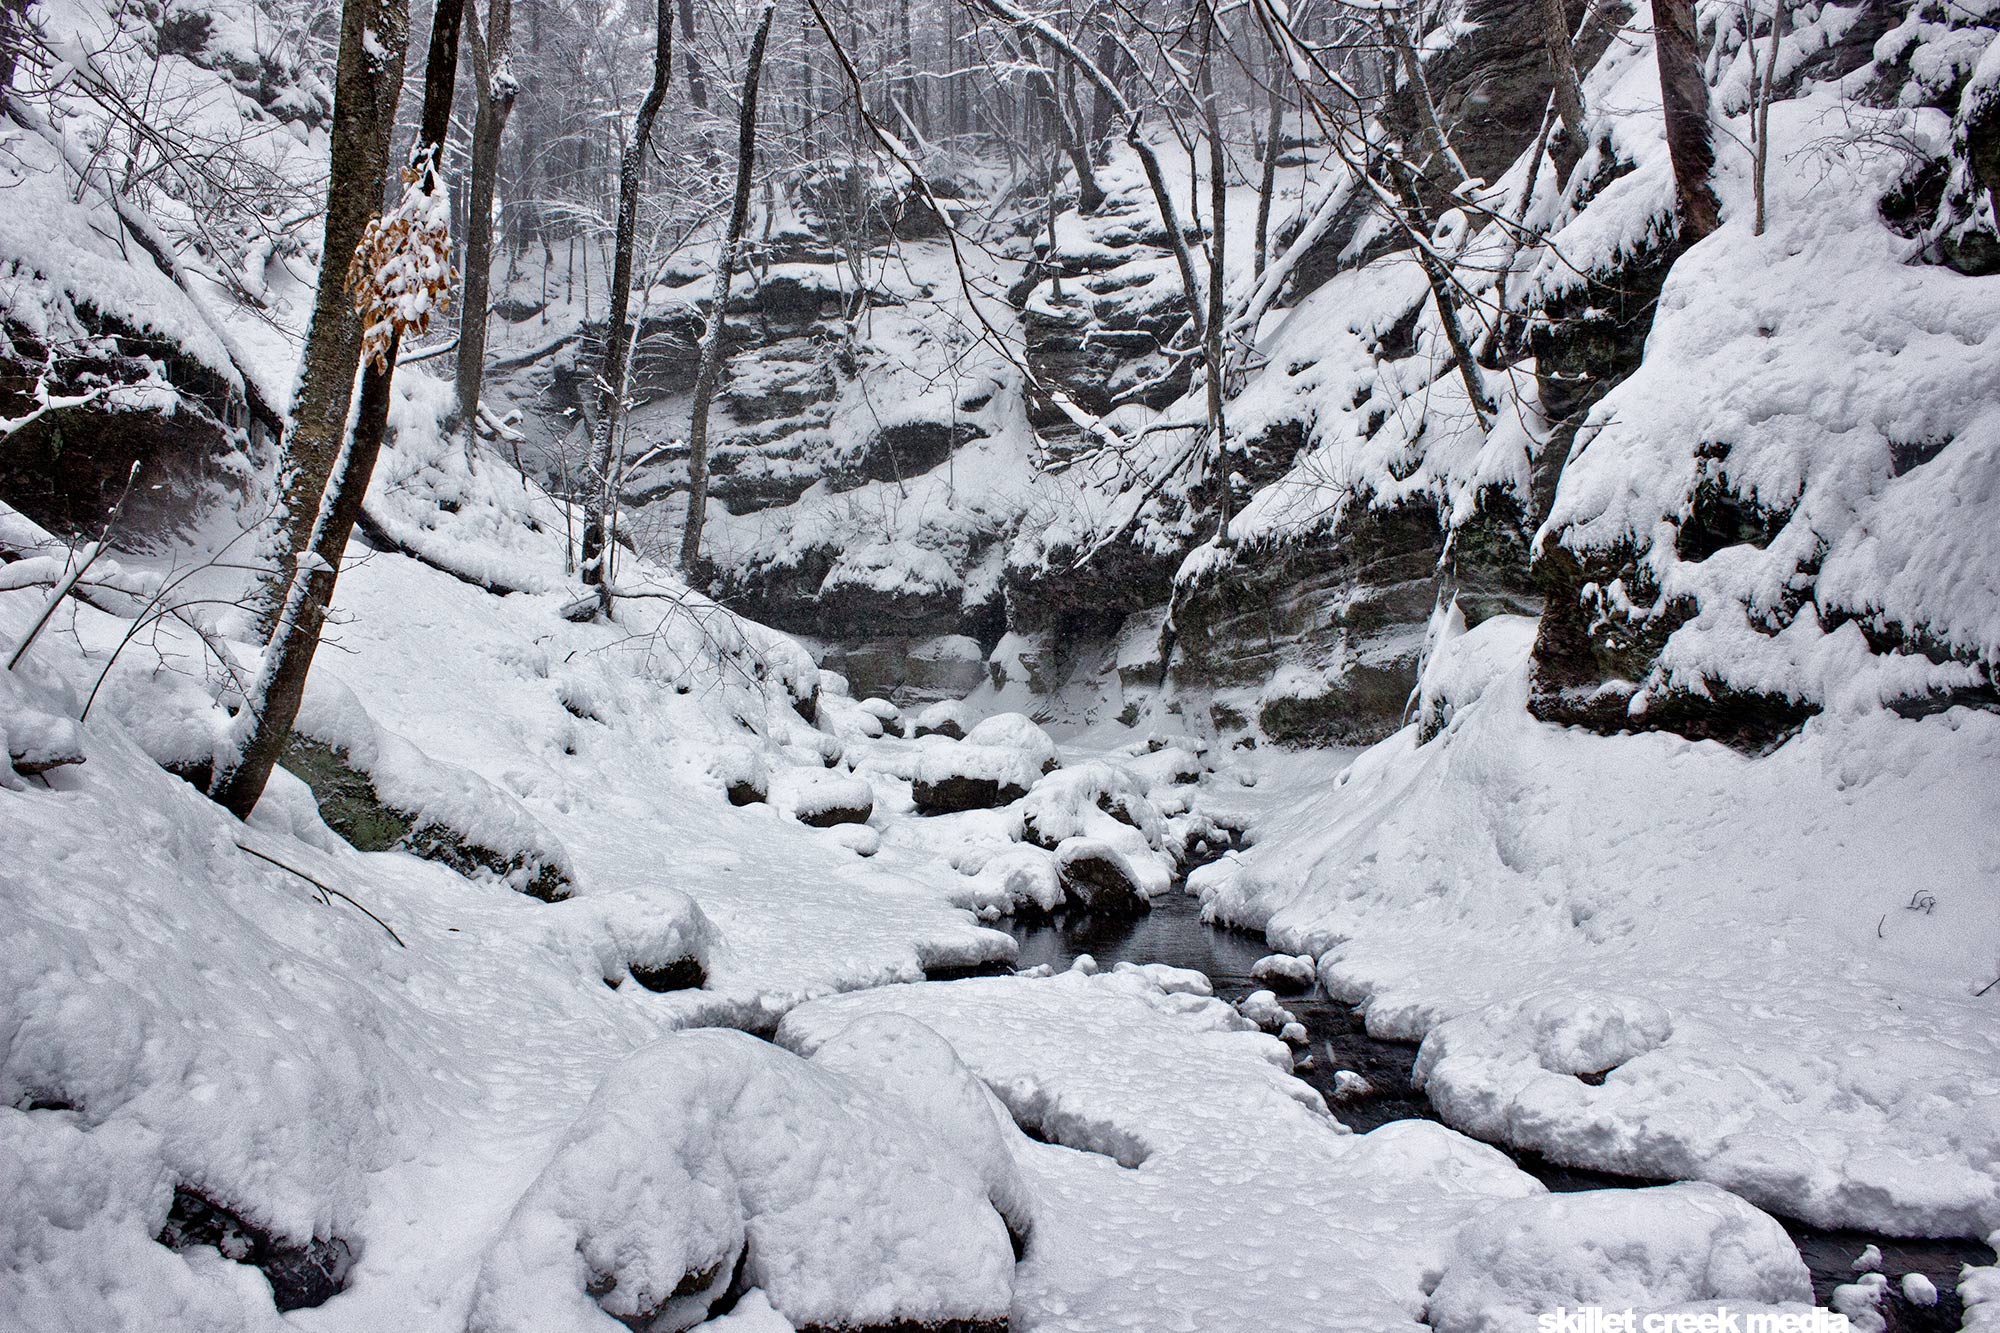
1338,670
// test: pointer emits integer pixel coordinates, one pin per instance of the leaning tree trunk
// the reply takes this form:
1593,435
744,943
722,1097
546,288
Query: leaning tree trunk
368,80
497,90
1684,99
272,704
617,332
725,263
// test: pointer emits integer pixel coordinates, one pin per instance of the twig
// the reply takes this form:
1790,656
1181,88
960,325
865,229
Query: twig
325,889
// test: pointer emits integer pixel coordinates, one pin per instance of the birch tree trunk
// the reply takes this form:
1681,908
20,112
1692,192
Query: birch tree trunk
272,704
710,369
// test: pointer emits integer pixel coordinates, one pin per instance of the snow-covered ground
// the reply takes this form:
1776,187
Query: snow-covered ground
1770,969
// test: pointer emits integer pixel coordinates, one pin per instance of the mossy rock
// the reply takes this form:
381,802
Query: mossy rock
351,807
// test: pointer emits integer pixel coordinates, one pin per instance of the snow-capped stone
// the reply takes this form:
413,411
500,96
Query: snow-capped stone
1347,1084
712,1148
950,718
1919,1290
1097,878
1262,1008
824,798
1286,971
1646,1249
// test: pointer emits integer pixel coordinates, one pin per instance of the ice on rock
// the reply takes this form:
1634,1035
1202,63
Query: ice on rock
1294,1034
711,1150
1868,1261
1645,1249
1919,1290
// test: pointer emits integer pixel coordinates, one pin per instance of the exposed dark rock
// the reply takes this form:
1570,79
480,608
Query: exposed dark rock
951,794
351,807
1095,881
679,974
745,791
828,816
302,1276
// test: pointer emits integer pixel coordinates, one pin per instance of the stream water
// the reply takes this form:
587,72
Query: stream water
1174,933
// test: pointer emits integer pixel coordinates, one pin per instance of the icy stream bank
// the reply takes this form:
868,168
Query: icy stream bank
1174,933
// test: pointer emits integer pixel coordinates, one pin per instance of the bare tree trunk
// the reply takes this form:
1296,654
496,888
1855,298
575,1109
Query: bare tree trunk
690,61
1274,139
1218,222
617,333
711,344
272,704
496,93
1416,222
1684,98
1089,195
1561,56
1764,95
369,79
1428,123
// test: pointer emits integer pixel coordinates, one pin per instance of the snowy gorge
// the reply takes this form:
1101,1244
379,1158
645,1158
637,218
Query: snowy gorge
1305,703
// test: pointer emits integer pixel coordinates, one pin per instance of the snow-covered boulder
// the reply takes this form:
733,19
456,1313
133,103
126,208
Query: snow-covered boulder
1016,731
1283,971
949,718
908,1063
657,938
745,778
1098,878
1086,800
824,798
1647,1249
964,776
1262,1008
712,1155
1017,878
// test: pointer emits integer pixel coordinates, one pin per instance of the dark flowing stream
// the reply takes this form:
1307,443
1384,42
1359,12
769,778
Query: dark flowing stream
1174,933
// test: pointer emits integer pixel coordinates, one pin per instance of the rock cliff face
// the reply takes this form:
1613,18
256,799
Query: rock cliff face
1697,566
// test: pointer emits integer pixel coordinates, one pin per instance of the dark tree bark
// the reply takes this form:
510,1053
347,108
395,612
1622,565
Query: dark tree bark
1551,18
366,87
1684,98
710,370
690,59
496,94
273,701
1089,195
618,333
